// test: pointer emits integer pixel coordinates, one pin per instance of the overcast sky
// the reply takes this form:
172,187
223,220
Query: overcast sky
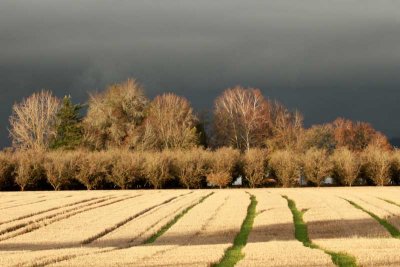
324,58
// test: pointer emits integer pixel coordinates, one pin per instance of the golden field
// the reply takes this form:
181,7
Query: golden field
197,227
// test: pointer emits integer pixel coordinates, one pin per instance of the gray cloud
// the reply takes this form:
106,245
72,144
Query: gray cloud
327,59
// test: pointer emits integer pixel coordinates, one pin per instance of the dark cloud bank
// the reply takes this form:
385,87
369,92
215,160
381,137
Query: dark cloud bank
325,58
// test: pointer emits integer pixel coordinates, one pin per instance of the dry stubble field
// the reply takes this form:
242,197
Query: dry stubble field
282,227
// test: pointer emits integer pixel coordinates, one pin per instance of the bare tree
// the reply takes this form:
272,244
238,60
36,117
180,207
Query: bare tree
287,167
396,165
33,121
377,163
358,135
223,164
158,168
60,167
317,165
192,167
286,128
241,118
126,169
170,124
93,168
319,136
7,167
114,116
219,178
29,167
255,166
346,165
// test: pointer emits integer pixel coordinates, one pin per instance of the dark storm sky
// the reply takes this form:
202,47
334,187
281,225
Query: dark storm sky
325,58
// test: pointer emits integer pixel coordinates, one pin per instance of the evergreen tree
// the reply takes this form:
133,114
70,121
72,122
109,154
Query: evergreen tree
69,127
202,128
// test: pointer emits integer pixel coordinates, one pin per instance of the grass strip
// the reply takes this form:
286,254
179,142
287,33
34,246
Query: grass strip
390,202
148,241
394,232
125,221
301,234
234,254
173,221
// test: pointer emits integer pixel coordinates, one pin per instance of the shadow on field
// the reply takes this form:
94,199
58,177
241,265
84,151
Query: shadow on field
367,228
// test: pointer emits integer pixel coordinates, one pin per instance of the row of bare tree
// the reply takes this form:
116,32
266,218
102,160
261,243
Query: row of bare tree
125,140
195,168
122,117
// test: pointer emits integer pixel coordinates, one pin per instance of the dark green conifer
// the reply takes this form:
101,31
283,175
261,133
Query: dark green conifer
69,125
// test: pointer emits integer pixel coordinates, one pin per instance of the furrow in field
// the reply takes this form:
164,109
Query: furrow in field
22,204
72,229
334,224
144,227
272,241
21,226
17,198
53,207
29,203
394,232
379,207
201,241
148,235
330,216
40,258
72,241
5,201
341,259
390,202
387,193
8,199
195,230
128,219
36,225
201,236
234,253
